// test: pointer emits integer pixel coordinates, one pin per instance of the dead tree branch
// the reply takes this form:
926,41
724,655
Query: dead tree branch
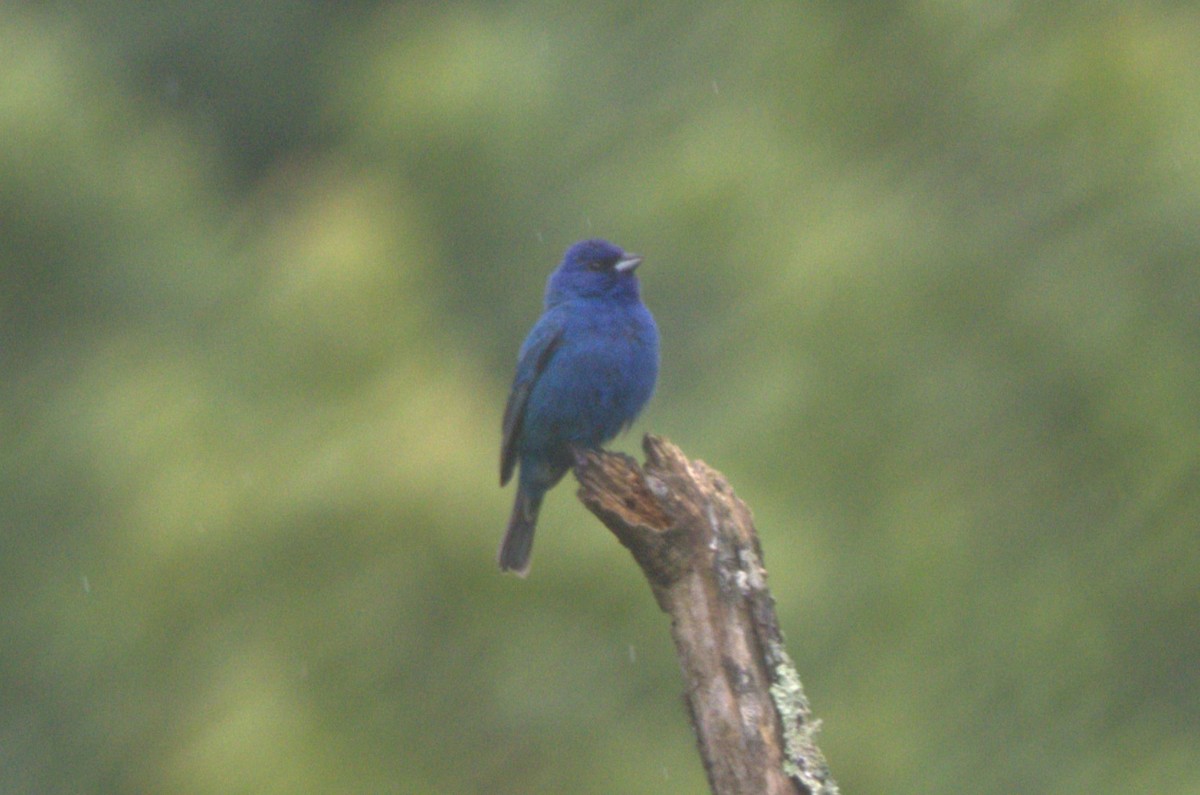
696,543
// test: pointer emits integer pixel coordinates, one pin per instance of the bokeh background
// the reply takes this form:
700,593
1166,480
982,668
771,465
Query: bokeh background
928,280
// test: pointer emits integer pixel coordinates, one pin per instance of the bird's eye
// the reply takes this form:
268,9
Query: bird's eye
595,265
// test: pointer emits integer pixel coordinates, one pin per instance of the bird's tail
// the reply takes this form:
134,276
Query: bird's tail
517,545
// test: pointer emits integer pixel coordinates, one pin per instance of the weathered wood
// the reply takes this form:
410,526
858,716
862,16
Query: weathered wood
696,544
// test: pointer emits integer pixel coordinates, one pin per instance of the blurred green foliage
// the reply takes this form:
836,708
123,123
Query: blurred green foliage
928,278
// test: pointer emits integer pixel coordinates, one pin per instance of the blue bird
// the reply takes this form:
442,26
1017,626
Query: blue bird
584,372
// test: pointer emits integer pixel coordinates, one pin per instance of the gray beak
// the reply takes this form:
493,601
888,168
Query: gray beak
627,263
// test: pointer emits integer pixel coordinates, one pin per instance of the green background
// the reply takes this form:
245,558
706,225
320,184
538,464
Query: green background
928,281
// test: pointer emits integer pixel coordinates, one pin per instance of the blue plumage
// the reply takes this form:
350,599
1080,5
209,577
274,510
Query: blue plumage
584,372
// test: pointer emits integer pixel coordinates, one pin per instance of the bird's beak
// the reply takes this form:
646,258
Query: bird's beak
627,263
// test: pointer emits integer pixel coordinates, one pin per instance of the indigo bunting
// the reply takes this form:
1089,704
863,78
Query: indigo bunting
583,374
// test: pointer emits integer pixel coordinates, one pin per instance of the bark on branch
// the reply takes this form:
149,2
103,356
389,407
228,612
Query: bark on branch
695,542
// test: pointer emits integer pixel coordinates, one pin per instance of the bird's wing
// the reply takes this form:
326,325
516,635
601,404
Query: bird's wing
543,341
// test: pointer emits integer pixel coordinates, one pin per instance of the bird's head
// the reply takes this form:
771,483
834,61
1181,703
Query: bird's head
594,268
